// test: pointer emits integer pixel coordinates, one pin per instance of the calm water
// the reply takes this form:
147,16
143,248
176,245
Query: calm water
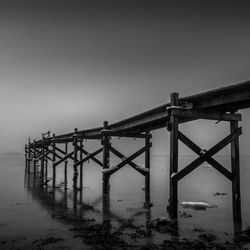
25,211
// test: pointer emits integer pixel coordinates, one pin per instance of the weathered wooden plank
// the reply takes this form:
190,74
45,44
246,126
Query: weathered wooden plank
93,158
210,160
193,165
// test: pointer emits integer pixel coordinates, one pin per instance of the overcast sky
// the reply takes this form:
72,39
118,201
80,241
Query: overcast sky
67,64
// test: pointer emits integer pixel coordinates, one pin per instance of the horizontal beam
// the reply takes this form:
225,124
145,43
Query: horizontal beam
205,115
125,134
193,165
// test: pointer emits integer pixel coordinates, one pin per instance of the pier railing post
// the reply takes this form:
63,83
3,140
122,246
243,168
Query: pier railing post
173,196
147,203
53,163
235,166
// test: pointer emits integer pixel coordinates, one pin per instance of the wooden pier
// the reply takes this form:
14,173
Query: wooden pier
220,104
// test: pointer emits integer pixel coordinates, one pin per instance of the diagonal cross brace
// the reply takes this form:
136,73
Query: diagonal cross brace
92,157
193,165
111,171
89,156
142,171
210,160
51,152
64,158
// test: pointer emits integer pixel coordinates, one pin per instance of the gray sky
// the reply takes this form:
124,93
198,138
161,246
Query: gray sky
67,64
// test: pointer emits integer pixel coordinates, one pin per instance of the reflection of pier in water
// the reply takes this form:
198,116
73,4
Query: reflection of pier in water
63,205
217,105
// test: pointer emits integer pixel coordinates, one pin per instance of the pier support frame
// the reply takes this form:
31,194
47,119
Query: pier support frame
176,112
108,171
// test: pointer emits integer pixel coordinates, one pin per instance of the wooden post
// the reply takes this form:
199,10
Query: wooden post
66,168
34,159
106,160
75,176
46,172
173,197
235,166
81,166
29,155
147,203
42,165
53,163
26,160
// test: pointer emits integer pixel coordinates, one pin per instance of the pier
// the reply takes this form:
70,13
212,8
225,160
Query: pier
223,104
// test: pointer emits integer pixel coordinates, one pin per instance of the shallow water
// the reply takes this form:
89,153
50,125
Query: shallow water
26,212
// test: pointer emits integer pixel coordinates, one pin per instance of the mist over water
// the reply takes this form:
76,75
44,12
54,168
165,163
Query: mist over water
27,211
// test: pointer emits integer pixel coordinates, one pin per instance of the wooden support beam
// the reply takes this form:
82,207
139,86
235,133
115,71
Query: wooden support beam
125,134
81,167
89,156
65,158
142,171
126,161
235,165
42,167
66,168
61,151
193,165
29,157
147,203
199,151
173,196
53,163
92,156
46,172
75,176
34,161
106,162
205,115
